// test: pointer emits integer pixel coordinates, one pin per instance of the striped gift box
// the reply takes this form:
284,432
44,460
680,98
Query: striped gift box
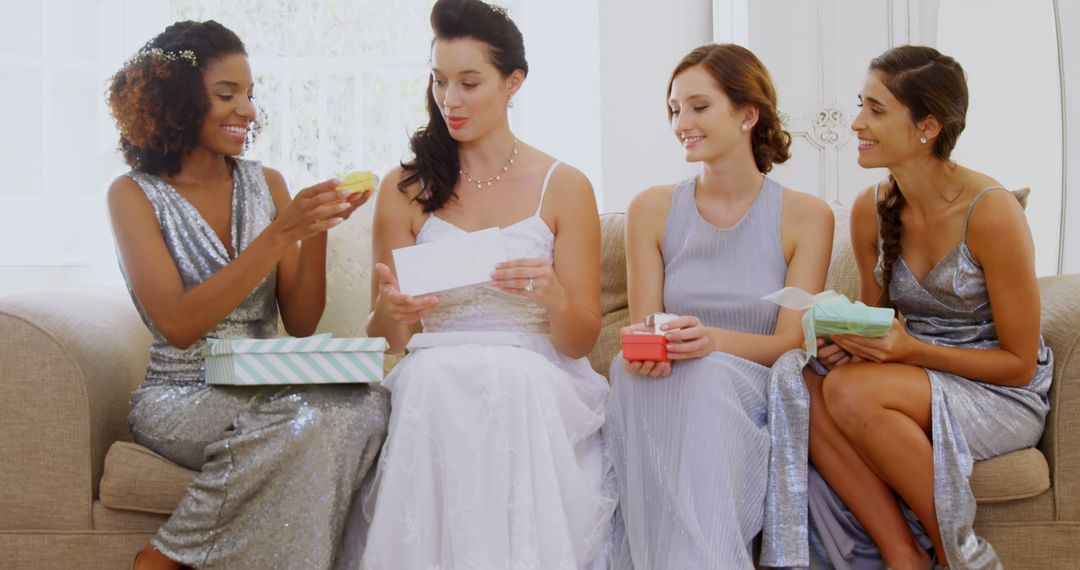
318,359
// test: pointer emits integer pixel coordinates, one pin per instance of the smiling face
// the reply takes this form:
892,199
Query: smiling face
703,118
471,93
230,87
887,135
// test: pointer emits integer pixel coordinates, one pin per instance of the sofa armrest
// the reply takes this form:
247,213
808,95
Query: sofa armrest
68,363
1061,442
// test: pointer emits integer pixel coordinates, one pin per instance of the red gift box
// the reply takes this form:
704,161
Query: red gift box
650,347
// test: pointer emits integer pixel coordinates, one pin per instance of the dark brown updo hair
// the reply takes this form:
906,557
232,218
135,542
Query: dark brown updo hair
927,83
435,164
746,82
158,98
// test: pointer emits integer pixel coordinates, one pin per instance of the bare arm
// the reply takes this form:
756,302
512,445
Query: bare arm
646,219
864,244
393,314
575,318
568,287
184,316
301,271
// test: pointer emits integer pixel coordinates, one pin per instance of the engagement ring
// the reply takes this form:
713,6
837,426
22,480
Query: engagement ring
529,286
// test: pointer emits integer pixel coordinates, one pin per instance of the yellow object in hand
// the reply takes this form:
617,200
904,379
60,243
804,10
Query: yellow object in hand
361,181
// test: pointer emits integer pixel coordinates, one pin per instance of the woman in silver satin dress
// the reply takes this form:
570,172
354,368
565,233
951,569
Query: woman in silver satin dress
688,438
212,246
963,379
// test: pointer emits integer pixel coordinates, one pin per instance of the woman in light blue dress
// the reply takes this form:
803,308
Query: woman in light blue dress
688,438
964,378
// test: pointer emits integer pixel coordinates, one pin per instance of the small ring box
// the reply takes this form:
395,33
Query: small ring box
652,347
643,346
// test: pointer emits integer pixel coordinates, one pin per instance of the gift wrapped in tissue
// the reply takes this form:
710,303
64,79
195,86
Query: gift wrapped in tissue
832,313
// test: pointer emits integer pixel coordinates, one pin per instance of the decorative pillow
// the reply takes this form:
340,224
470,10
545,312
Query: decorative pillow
1021,195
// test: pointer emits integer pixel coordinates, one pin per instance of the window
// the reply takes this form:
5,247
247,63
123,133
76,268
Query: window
339,87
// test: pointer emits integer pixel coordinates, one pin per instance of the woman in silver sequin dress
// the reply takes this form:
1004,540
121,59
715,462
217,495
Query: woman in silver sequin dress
963,379
688,438
212,246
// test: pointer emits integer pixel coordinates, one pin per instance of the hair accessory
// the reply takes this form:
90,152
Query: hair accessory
184,54
498,176
922,140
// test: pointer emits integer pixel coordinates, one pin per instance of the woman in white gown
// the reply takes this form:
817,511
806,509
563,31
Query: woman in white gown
494,457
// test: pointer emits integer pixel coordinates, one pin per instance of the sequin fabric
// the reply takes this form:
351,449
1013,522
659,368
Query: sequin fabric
971,421
278,466
691,450
198,253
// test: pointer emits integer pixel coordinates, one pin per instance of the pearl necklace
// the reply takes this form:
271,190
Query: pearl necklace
498,176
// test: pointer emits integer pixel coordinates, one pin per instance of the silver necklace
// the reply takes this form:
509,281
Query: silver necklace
480,183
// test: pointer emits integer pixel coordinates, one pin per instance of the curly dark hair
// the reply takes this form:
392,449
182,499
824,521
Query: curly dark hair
928,83
435,164
158,99
746,82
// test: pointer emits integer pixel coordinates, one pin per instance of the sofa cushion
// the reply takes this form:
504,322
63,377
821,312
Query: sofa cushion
137,479
612,263
614,313
1017,475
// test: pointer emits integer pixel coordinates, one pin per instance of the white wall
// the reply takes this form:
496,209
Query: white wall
1014,122
641,41
558,108
1068,24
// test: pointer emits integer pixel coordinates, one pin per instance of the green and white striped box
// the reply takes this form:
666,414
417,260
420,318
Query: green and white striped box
318,359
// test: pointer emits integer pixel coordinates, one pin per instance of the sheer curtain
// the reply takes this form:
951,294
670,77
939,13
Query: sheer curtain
339,87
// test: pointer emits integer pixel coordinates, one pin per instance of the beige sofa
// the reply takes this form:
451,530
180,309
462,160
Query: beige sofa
75,493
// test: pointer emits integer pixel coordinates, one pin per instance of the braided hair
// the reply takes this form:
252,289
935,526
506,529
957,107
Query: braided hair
927,83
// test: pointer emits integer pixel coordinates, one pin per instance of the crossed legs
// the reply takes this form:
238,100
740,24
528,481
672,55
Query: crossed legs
869,439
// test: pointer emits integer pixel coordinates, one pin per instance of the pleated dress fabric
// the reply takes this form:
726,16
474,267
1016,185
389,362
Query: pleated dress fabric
278,465
691,450
971,421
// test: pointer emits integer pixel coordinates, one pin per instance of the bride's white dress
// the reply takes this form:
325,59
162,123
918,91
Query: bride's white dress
494,458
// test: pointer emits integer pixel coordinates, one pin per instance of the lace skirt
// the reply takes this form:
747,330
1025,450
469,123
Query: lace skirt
493,460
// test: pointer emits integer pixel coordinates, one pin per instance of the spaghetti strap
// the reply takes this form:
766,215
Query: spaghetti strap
971,208
543,189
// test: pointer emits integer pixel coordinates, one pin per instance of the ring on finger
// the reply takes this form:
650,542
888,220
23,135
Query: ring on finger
529,286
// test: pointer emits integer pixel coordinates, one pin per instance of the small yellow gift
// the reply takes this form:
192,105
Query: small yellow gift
361,181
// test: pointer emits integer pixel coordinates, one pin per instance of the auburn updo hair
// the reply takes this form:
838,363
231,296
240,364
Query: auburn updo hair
745,81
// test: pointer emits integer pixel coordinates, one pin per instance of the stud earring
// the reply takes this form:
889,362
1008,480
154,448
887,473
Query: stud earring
745,126
922,140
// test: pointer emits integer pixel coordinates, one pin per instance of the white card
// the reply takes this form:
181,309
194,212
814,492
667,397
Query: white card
449,263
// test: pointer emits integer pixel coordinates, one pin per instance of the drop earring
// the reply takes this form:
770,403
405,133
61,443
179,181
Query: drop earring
510,104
